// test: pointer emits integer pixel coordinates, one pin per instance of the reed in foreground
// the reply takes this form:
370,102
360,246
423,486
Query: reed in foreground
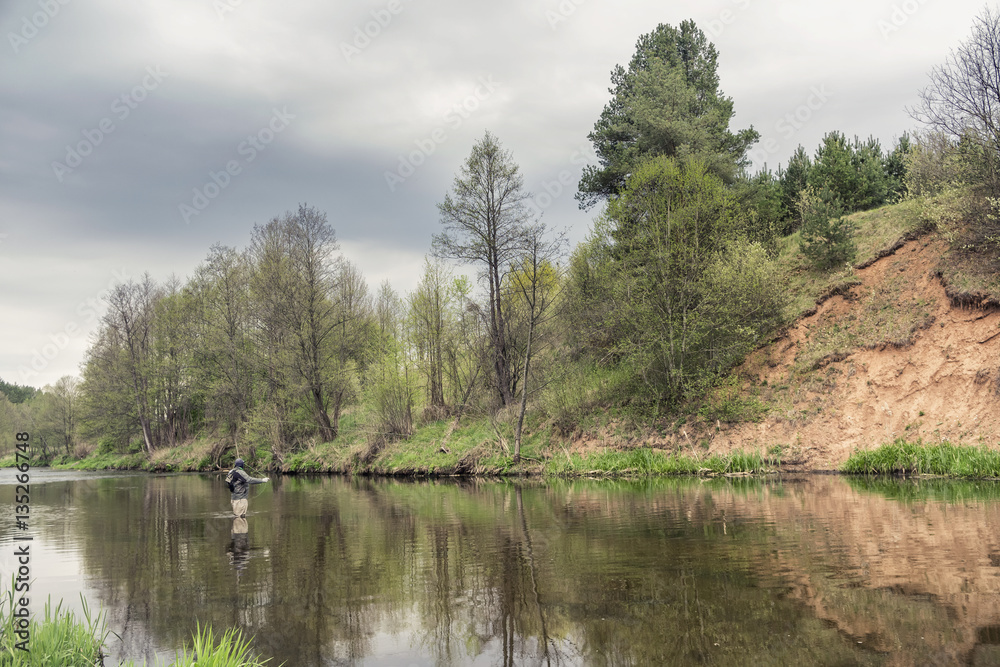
915,458
63,640
59,640
230,650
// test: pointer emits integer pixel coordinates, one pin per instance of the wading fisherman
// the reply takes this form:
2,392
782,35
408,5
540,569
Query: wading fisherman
239,483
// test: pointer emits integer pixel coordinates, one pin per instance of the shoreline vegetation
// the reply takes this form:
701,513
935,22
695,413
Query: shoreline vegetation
900,458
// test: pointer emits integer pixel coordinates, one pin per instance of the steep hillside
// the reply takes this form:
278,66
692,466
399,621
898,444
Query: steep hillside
891,355
905,343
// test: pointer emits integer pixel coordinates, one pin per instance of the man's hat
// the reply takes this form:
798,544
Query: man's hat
239,463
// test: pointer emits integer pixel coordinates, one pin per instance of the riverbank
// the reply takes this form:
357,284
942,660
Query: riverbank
543,458
466,456
427,454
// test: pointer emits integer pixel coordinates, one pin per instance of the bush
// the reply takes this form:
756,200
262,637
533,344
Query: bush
933,164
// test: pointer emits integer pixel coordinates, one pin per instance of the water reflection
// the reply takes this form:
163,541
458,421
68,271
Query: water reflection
820,570
239,545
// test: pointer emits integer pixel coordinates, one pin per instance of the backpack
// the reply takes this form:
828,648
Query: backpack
229,482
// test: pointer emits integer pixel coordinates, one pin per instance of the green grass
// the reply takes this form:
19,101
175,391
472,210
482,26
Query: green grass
877,231
651,462
61,639
915,458
887,315
229,650
106,462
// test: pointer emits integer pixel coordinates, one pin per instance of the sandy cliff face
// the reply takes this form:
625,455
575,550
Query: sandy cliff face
943,385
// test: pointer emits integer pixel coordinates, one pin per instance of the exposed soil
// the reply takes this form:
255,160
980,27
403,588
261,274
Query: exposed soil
944,385
937,381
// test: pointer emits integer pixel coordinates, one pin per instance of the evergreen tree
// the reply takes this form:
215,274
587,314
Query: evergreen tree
827,236
667,103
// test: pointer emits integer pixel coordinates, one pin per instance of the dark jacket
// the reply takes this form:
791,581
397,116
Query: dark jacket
240,482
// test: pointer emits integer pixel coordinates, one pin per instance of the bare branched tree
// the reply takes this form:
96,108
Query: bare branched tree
485,221
129,323
963,98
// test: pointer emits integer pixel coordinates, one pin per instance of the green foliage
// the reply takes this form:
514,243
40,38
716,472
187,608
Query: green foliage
728,402
761,200
858,174
389,389
59,640
896,166
646,461
827,235
687,295
667,103
854,172
741,303
579,389
934,164
16,393
231,649
587,301
901,457
793,180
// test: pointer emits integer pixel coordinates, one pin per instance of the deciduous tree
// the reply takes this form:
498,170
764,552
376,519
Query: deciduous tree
963,96
485,219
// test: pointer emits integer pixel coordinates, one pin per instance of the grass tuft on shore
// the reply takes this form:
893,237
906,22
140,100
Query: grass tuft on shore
648,461
915,458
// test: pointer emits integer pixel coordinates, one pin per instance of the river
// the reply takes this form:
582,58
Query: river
820,570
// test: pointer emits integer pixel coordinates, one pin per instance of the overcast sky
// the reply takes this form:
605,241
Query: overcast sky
134,135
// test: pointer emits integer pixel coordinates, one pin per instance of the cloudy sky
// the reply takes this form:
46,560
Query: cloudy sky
134,135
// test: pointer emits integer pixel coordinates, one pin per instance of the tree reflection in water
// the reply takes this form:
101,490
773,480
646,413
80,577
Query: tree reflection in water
351,571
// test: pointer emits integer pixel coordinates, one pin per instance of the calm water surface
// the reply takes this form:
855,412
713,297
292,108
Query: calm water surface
334,571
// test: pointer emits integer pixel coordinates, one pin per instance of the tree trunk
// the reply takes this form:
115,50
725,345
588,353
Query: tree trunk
338,397
326,430
524,393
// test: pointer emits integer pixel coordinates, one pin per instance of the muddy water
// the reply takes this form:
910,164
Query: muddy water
816,570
